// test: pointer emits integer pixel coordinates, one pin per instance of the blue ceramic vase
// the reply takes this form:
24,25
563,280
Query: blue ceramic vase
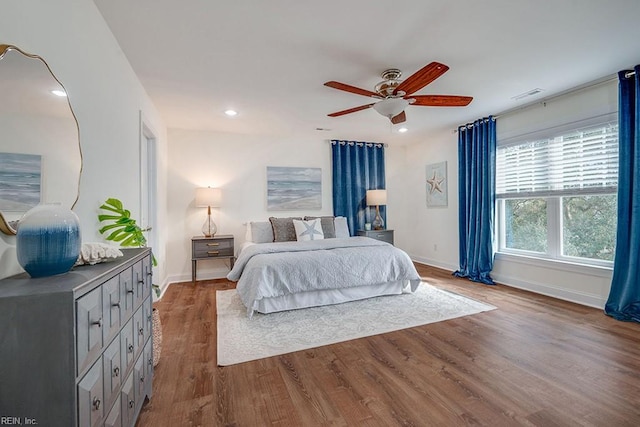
48,240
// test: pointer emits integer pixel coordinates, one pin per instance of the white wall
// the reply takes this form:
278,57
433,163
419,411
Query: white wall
237,164
431,235
107,98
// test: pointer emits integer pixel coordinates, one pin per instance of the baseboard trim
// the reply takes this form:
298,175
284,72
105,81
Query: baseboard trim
434,263
581,298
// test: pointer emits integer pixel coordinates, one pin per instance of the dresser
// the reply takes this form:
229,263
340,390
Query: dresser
76,349
383,235
214,247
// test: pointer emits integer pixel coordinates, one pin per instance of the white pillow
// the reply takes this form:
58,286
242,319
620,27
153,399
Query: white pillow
259,232
342,228
308,230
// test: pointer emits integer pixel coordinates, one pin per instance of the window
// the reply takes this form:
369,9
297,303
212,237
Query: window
556,196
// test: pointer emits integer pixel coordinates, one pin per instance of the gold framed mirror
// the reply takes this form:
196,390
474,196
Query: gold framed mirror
40,152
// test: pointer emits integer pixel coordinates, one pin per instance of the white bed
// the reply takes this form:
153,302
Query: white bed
286,275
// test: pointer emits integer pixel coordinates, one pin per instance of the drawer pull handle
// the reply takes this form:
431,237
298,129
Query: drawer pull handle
141,379
141,331
150,361
141,281
115,304
129,291
97,323
116,372
213,244
213,252
130,348
150,274
132,404
96,403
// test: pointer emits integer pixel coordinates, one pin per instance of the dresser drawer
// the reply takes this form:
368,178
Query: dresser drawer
90,396
89,324
111,372
127,293
127,347
110,308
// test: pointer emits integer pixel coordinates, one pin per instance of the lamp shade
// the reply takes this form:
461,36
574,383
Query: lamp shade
208,197
376,197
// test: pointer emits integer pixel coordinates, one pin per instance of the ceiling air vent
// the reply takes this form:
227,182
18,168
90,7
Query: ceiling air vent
527,94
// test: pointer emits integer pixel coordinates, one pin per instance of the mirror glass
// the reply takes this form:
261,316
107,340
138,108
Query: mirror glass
40,154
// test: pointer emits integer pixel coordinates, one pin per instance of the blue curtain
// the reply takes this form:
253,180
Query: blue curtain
476,199
357,167
624,297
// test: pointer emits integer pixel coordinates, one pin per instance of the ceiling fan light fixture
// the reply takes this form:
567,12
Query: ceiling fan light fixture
390,107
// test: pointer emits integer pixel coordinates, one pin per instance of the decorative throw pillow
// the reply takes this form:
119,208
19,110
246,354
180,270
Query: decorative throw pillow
308,230
283,230
328,229
261,231
342,228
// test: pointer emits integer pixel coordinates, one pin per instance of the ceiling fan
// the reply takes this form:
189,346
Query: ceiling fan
395,95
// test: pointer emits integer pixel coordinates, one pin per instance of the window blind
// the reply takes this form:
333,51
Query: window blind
583,161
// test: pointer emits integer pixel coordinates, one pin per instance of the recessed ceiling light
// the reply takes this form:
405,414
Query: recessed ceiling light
231,113
402,130
59,92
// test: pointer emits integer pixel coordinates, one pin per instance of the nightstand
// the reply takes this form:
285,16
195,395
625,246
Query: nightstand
383,235
216,247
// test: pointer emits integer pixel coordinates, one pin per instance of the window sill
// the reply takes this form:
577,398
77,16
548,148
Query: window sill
560,265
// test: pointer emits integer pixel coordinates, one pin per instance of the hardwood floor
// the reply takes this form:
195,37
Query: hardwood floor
535,361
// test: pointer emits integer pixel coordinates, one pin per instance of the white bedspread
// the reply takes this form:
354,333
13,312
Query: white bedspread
275,269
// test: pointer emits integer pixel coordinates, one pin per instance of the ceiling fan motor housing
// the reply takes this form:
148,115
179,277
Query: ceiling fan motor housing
391,80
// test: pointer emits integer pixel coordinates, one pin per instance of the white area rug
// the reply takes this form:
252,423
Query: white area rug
241,339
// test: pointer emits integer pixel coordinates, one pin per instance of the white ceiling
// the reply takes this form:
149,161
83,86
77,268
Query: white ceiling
269,59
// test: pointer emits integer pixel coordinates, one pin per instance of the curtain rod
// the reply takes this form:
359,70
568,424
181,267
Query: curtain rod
544,100
566,92
384,144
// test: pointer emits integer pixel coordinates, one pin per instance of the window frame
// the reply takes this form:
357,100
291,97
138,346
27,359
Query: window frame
555,230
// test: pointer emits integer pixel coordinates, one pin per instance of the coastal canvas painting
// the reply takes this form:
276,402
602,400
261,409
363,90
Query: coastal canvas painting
294,188
20,181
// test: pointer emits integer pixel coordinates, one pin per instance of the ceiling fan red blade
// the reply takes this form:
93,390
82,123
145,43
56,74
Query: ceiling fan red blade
421,78
350,110
399,118
441,100
352,89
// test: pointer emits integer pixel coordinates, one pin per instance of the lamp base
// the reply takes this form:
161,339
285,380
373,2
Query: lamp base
209,227
378,223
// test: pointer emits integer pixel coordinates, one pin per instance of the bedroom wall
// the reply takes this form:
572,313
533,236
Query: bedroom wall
433,239
237,164
107,98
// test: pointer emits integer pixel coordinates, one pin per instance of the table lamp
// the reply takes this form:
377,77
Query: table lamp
207,197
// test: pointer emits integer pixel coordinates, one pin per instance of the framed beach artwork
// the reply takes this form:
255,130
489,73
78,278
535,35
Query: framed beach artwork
291,188
437,185
20,181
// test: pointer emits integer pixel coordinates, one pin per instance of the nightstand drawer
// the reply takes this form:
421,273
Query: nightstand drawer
382,235
208,248
213,252
205,246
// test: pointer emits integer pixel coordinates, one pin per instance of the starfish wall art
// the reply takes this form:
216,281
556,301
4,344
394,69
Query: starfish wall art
437,184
